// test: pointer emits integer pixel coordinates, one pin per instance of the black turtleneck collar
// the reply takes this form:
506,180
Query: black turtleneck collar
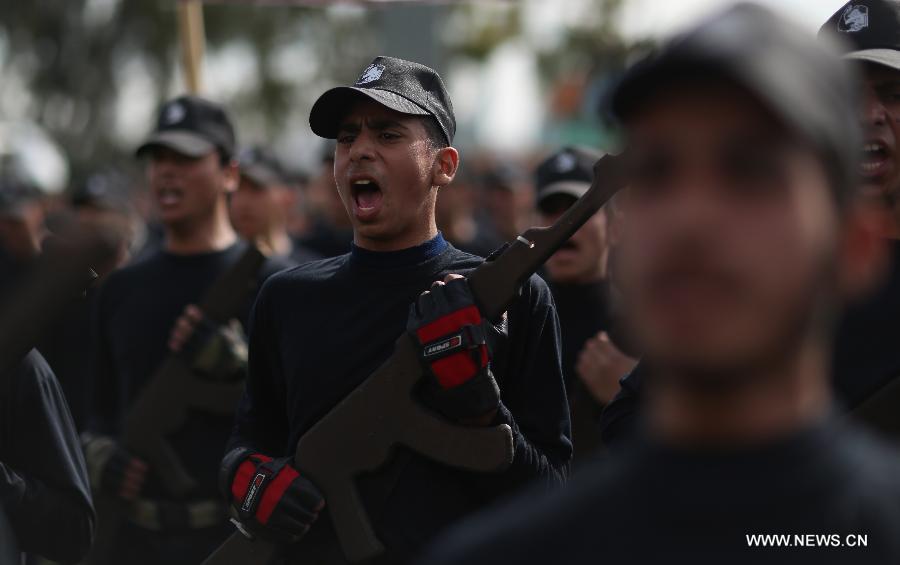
387,260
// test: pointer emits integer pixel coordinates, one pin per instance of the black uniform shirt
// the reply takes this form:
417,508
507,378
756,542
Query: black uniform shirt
44,487
320,329
654,504
867,347
134,314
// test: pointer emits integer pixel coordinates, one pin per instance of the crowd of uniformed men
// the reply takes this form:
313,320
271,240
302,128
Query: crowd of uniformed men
711,356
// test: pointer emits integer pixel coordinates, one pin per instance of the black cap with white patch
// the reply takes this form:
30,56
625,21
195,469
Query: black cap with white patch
192,126
869,30
569,171
404,86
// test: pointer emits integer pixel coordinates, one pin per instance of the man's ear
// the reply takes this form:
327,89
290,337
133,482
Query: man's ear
446,162
232,175
863,257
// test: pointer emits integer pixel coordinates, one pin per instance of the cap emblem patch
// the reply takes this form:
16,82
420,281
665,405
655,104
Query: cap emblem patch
855,18
372,73
565,162
173,114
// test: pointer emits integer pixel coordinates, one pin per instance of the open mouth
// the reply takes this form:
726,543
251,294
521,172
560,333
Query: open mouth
874,158
367,197
169,197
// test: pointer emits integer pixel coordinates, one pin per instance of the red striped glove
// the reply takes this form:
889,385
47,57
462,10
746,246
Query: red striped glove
452,337
269,495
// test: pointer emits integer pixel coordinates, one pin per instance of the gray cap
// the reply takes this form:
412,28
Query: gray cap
803,82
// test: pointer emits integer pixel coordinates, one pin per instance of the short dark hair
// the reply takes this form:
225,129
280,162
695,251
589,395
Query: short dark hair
436,138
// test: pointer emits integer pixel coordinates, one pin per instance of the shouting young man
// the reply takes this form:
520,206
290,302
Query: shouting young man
138,323
867,357
740,242
321,329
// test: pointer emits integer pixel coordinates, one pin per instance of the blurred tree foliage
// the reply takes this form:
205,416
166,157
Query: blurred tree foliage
66,64
69,56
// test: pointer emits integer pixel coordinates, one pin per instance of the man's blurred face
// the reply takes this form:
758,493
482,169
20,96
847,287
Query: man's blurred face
880,168
383,168
256,209
582,258
185,188
729,233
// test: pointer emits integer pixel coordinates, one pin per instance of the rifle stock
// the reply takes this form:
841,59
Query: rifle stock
162,406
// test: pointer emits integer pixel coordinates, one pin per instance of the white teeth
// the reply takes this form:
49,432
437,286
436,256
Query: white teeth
869,166
871,147
364,181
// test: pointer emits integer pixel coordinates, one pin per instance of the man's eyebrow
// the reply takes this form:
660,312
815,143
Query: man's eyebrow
349,127
384,123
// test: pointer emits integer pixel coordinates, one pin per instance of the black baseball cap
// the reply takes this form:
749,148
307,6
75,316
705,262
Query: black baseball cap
192,126
802,81
569,171
869,31
403,86
262,166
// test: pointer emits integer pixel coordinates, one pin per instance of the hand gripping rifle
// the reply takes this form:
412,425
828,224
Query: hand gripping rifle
162,405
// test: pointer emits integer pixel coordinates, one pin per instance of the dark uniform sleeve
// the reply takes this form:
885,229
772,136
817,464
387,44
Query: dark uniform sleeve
618,421
533,393
261,420
43,481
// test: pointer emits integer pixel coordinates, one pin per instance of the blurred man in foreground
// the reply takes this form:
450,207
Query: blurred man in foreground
44,488
740,244
866,357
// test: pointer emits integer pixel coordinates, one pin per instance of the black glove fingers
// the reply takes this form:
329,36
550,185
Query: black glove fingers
307,494
457,294
294,512
427,304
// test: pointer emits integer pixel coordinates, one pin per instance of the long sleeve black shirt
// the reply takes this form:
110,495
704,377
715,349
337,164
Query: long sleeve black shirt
44,487
320,329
